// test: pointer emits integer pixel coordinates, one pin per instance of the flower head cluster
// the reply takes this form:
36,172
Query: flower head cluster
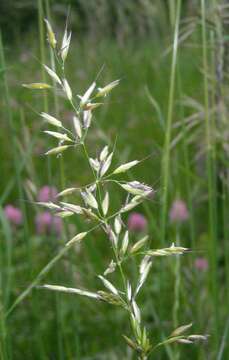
13,214
201,264
47,193
46,223
179,211
137,222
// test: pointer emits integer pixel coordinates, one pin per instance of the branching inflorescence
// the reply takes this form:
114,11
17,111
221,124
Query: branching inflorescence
94,205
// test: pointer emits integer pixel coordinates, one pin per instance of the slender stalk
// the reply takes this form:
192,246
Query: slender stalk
210,163
187,163
219,69
60,320
166,152
5,283
177,289
172,11
42,50
165,166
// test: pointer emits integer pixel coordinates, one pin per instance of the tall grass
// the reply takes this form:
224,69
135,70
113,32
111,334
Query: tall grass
189,296
97,204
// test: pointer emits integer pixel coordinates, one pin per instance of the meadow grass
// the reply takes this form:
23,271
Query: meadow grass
187,162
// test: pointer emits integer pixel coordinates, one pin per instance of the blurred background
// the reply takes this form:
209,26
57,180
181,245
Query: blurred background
171,107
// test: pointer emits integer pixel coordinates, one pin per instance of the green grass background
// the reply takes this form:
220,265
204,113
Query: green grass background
46,325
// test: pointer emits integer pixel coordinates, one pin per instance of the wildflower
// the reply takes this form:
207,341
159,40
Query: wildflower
47,193
137,222
46,223
201,264
13,214
179,211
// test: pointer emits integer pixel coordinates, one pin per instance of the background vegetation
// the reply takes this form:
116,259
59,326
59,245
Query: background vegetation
171,104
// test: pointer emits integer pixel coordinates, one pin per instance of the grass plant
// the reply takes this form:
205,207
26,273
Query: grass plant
168,110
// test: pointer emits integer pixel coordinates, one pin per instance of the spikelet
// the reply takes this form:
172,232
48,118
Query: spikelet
57,150
77,238
139,244
57,135
137,188
105,166
72,291
91,106
65,45
67,191
125,243
37,86
86,96
50,34
67,89
125,167
104,153
77,127
72,207
172,250
53,75
87,115
89,199
105,203
118,224
51,119
106,89
108,285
